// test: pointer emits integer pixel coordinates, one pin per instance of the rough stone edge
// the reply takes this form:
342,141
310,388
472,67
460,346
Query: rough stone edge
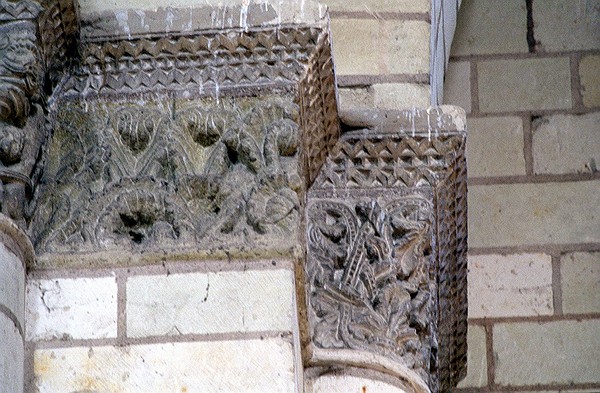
405,120
125,258
313,374
114,23
367,360
17,241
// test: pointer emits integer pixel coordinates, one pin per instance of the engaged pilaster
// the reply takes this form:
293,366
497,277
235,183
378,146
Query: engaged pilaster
16,252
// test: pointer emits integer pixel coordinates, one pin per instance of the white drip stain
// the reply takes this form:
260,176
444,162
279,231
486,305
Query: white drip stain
412,120
123,21
169,18
244,14
428,126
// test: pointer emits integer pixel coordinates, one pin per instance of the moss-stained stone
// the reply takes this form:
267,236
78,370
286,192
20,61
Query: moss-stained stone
125,175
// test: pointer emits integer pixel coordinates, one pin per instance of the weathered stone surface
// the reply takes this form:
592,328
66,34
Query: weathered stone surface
580,282
401,95
135,18
589,69
567,25
371,216
356,98
12,283
394,47
203,303
520,85
457,85
476,359
566,143
11,357
216,366
349,34
350,383
208,171
510,285
36,36
524,214
408,47
490,26
71,308
374,6
562,352
495,146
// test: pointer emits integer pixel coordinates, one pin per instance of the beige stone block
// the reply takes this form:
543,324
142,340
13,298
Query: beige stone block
561,352
490,26
457,86
200,303
566,143
407,50
76,308
566,24
495,146
358,46
510,285
589,69
580,282
534,214
476,359
11,357
355,98
401,95
350,383
12,283
217,366
374,6
372,47
526,84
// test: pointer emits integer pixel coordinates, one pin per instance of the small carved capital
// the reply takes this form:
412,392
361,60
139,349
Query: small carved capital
28,29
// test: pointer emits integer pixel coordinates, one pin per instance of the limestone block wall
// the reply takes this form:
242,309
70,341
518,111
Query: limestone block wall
15,252
177,327
382,53
527,74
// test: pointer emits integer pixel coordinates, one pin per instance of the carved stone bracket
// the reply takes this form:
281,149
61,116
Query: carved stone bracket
386,248
36,38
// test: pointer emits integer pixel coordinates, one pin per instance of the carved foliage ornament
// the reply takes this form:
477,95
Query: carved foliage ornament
386,251
189,173
369,276
34,37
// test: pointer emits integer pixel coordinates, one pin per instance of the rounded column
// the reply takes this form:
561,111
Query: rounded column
16,252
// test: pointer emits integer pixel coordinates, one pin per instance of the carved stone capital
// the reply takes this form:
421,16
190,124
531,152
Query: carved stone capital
35,39
188,140
386,248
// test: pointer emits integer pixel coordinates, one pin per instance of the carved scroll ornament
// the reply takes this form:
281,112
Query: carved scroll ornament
386,250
